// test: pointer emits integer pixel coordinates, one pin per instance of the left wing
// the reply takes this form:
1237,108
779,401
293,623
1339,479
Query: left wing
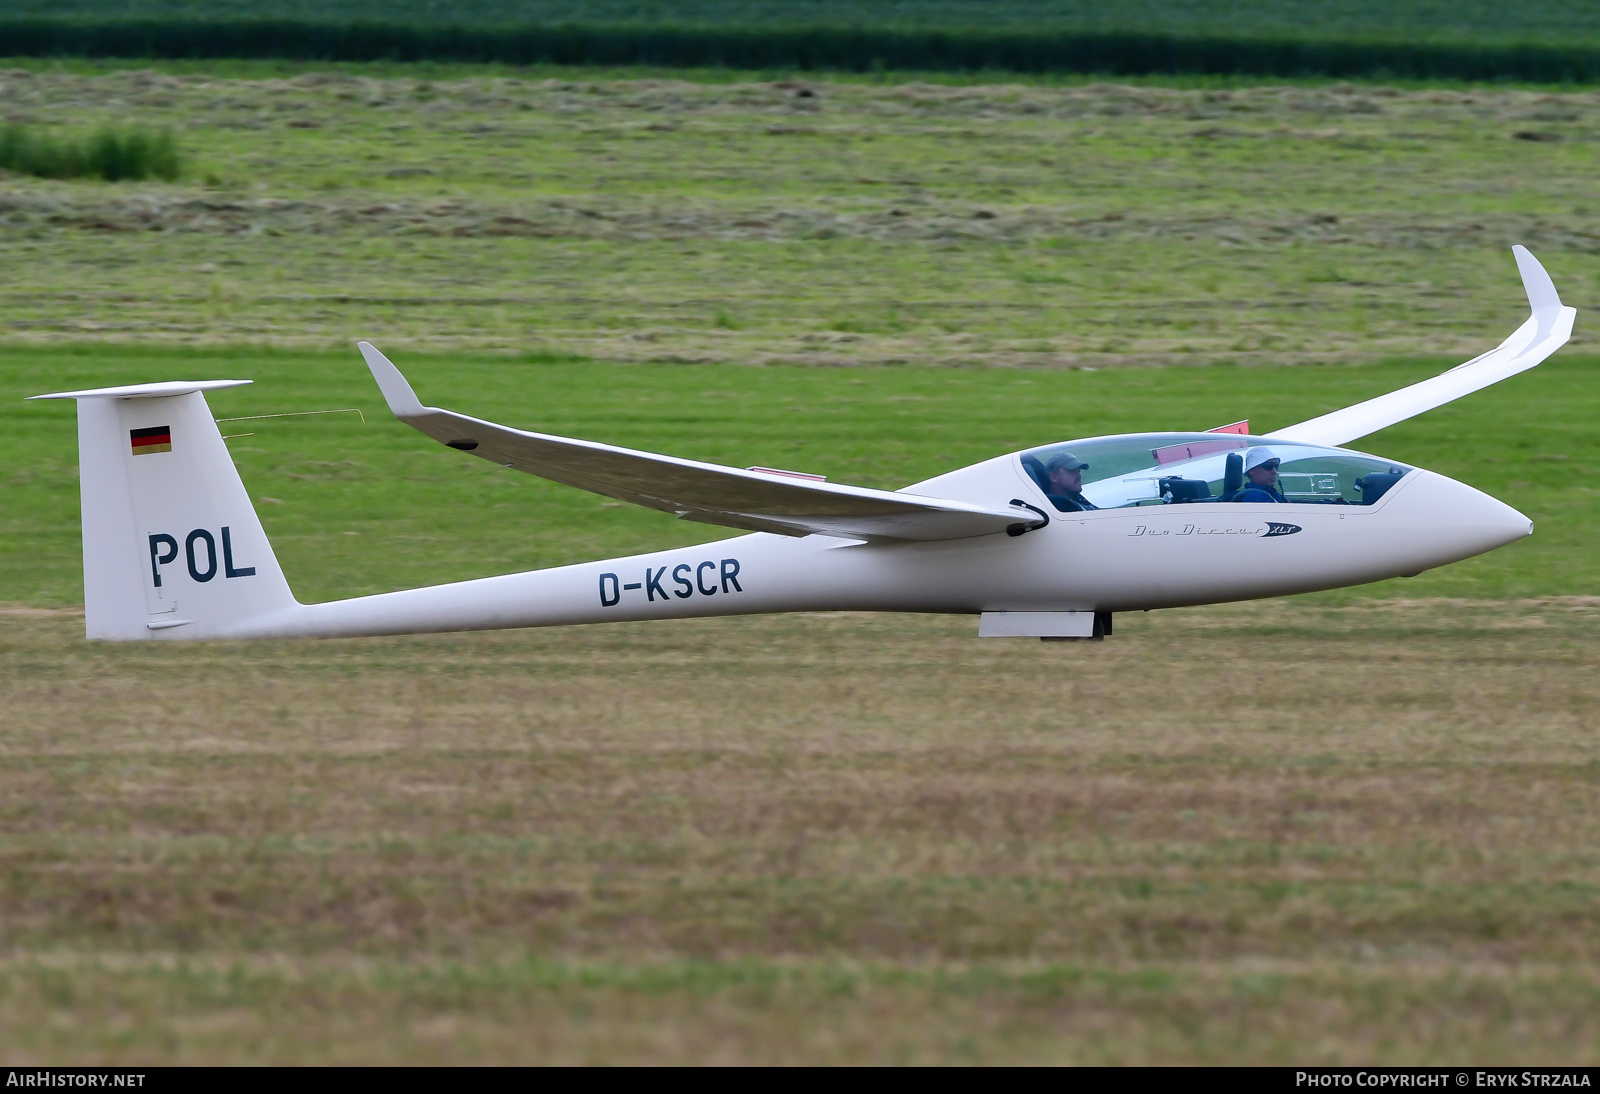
1546,331
758,501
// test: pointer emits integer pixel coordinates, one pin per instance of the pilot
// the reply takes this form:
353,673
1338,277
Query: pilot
1064,472
1261,477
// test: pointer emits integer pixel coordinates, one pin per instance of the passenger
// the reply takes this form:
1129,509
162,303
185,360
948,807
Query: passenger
1261,477
1065,474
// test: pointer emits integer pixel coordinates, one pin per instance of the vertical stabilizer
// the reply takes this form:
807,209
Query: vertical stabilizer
171,542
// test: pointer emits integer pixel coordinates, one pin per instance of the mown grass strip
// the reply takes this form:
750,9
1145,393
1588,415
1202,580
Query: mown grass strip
838,48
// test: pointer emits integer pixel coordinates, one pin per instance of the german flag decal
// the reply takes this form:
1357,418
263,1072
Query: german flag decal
158,438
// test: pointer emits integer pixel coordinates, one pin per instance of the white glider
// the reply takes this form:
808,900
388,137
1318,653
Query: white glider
1047,542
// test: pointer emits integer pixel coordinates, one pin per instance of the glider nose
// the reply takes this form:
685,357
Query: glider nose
1460,520
1492,519
1512,524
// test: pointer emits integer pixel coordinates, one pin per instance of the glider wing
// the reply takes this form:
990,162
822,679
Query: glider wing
1546,331
758,501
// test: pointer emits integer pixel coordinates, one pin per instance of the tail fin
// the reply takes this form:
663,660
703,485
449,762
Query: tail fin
172,546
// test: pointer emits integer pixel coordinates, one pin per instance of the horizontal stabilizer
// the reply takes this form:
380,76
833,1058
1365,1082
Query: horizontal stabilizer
163,390
1546,331
757,501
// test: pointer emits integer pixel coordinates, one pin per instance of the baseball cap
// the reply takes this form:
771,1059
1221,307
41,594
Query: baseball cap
1065,461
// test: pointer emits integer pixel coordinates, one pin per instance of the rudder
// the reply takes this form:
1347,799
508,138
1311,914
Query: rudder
172,547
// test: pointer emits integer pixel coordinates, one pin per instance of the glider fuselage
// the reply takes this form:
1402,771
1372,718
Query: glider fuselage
1110,560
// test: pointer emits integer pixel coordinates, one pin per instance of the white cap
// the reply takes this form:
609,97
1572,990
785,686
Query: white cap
1258,456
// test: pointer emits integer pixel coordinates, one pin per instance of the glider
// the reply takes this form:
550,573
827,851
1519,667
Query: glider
1048,542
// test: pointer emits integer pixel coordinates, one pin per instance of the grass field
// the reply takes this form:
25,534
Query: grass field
1357,827
609,257
666,221
1274,833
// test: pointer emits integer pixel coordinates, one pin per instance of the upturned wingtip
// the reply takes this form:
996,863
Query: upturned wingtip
1542,296
403,402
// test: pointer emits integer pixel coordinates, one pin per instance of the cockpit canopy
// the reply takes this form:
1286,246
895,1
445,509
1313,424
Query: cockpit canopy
1185,468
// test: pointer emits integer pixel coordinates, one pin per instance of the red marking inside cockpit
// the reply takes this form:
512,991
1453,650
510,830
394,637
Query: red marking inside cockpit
1175,453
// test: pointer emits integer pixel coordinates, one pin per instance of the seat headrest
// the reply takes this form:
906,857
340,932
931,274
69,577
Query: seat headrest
1233,476
1036,472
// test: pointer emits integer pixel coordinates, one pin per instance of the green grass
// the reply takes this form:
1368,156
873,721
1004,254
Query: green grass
1343,16
357,509
1546,20
814,49
107,155
245,68
1551,41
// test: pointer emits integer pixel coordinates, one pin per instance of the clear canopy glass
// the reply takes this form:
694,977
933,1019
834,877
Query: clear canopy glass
1191,468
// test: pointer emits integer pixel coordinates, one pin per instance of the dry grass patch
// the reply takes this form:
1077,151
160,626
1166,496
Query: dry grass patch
1272,831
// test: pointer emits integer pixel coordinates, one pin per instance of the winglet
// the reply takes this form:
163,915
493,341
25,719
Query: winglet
403,402
1542,296
1540,335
